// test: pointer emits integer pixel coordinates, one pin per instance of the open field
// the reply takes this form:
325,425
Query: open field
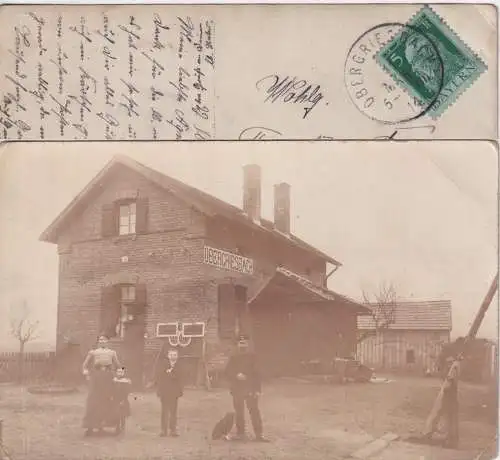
303,419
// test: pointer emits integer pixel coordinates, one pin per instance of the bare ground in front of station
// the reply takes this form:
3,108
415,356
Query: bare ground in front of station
302,418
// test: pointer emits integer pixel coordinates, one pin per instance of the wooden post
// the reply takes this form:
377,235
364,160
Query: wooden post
454,367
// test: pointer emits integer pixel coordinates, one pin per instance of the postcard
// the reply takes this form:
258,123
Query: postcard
248,72
249,300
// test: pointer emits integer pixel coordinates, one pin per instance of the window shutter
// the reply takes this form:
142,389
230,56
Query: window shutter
142,215
110,310
227,314
109,225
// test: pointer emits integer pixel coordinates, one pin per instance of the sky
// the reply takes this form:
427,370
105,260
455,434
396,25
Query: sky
420,215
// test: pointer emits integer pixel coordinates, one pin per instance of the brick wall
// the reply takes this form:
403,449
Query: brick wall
167,259
266,253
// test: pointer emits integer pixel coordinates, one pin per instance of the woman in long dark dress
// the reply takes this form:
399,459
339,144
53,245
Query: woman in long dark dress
99,367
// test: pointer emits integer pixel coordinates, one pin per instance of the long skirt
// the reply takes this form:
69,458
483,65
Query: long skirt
99,399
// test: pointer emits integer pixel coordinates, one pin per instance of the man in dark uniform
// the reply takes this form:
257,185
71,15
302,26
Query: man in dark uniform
169,389
245,387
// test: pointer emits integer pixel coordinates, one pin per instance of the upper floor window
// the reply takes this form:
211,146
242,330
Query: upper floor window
128,218
125,217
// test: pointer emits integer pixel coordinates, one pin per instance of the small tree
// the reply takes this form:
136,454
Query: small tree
382,305
24,330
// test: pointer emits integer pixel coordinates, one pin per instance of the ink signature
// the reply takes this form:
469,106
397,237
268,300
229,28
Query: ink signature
290,90
397,131
258,133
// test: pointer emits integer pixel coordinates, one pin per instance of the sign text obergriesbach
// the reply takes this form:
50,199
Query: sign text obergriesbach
227,260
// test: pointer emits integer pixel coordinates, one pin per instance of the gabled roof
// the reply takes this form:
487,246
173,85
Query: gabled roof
205,203
313,291
430,315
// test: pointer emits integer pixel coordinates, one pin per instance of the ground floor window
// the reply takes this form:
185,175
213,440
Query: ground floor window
120,306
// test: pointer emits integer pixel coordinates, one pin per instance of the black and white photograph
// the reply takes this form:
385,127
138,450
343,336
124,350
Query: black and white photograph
249,300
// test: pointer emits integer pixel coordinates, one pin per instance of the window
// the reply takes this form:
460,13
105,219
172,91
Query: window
410,356
126,306
128,215
121,306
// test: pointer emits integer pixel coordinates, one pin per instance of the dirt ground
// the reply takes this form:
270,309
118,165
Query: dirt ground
303,419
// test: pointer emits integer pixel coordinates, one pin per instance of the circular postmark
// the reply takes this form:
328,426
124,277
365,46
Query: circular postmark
379,93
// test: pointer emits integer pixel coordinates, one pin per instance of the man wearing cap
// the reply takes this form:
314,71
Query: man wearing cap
245,387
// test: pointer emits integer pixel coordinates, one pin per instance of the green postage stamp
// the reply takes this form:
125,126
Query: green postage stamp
430,62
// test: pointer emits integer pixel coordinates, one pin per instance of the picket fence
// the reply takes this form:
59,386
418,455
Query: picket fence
35,366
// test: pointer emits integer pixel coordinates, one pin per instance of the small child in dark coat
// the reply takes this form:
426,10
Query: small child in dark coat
169,388
121,404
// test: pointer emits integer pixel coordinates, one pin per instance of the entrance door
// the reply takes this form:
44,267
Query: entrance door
133,349
134,310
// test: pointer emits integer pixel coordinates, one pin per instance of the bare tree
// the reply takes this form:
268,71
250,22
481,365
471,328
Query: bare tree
382,305
24,330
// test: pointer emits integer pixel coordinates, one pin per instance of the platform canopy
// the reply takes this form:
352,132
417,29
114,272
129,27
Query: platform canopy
288,286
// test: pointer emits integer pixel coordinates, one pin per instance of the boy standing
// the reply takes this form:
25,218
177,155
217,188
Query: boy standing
169,389
245,387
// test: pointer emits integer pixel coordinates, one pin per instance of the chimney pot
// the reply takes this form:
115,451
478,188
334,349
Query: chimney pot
282,207
252,191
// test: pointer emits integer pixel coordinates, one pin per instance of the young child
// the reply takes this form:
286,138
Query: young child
121,404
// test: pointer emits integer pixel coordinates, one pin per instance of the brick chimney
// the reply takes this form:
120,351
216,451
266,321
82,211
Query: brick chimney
251,191
282,207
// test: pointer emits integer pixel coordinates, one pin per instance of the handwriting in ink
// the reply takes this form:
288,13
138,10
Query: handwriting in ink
107,33
156,67
42,84
108,58
109,92
130,105
290,90
40,23
156,94
82,30
402,129
186,34
159,27
62,71
179,123
181,87
258,133
63,109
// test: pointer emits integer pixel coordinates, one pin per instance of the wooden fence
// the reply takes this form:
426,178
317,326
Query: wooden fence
33,367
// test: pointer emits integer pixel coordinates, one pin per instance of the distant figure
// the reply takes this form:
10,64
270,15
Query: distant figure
169,388
99,367
245,387
121,404
449,407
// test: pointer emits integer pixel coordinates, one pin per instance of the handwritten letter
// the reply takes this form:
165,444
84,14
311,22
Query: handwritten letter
108,73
